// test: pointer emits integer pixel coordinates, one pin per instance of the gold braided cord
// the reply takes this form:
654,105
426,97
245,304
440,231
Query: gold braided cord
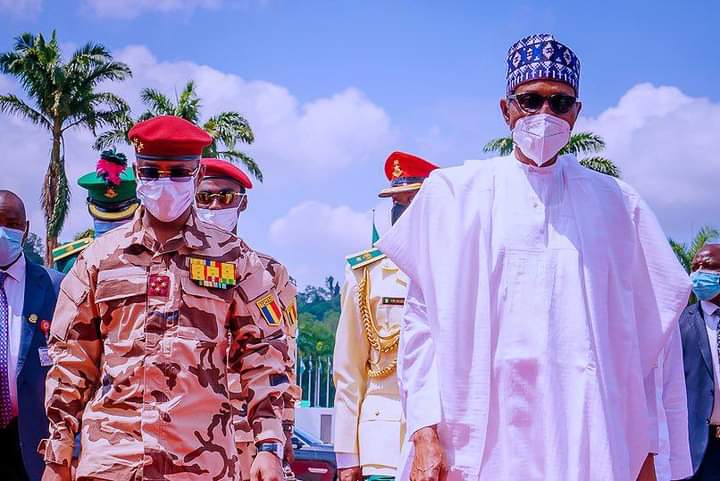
382,344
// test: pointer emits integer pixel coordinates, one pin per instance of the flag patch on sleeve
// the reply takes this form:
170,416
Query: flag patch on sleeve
270,310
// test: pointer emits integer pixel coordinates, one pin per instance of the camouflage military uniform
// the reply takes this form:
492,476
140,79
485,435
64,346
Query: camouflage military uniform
140,357
243,431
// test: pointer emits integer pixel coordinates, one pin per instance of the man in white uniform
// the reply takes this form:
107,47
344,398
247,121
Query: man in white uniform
551,291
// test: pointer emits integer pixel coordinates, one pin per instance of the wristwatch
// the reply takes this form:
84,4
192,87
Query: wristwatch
278,449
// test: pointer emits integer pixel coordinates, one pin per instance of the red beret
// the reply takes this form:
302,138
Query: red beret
168,138
223,168
406,172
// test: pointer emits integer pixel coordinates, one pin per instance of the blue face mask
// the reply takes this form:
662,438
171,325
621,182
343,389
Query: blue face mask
706,284
103,226
10,245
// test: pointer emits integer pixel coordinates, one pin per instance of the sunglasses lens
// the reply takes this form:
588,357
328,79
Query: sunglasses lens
561,104
226,198
149,173
530,102
203,198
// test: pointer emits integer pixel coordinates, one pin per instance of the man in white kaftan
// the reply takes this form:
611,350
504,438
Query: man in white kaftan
549,294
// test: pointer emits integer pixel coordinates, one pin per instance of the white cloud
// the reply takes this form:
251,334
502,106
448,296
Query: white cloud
316,138
133,8
325,234
665,143
21,7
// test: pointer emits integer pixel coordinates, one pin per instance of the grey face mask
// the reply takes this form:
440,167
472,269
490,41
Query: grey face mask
397,211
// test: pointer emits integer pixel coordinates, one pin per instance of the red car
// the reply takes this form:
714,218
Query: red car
314,459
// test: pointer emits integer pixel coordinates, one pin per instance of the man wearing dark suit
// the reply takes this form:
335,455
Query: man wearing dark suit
701,346
27,300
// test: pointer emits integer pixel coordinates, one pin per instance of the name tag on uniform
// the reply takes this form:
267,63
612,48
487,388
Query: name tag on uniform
393,301
45,359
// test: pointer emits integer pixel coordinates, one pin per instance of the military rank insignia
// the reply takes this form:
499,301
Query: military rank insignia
209,273
270,310
364,258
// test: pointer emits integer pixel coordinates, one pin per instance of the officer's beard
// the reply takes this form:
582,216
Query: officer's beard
397,211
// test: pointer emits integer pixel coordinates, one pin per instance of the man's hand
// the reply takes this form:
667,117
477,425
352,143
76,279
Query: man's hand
56,472
266,467
647,472
350,474
429,461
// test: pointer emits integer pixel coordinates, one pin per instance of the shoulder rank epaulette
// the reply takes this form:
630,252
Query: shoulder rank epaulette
364,258
70,248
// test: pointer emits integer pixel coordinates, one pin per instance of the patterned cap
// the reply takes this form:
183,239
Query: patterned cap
168,138
541,57
406,172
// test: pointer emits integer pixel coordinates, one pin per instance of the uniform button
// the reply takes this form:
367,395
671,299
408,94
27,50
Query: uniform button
377,413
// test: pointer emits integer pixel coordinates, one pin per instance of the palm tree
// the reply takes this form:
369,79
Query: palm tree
61,96
686,252
581,143
226,128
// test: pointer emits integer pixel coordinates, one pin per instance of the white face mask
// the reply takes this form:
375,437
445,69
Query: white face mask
224,218
541,136
165,199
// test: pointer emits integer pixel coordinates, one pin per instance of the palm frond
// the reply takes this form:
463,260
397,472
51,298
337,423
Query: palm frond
584,143
188,104
157,102
239,157
681,252
503,146
13,105
602,165
229,128
705,235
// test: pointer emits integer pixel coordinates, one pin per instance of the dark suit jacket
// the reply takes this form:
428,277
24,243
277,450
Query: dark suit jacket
41,290
698,379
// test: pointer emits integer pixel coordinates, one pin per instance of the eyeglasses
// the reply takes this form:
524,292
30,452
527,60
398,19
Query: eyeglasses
176,174
224,198
532,102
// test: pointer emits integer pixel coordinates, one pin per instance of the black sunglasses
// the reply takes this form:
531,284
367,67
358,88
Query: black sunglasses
176,174
532,102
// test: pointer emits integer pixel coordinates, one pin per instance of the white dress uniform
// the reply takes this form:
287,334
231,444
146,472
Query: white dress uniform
368,425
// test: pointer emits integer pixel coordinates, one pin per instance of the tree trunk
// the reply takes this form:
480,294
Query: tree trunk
50,193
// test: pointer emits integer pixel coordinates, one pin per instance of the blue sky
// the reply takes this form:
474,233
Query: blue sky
354,80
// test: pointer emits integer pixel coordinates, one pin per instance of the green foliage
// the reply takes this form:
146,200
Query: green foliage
581,143
83,234
318,315
33,248
227,129
61,95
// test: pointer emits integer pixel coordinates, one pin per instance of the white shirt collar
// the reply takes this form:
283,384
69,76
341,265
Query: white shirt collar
708,307
17,270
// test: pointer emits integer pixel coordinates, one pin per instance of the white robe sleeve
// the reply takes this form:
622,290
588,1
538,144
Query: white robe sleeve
417,366
411,244
660,285
674,399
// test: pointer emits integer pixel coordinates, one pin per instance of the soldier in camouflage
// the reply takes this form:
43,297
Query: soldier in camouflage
142,331
221,196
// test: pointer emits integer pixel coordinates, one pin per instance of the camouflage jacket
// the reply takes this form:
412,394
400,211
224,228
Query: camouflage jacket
139,348
287,294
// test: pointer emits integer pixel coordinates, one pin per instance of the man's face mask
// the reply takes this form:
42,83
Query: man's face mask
11,244
706,284
541,136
